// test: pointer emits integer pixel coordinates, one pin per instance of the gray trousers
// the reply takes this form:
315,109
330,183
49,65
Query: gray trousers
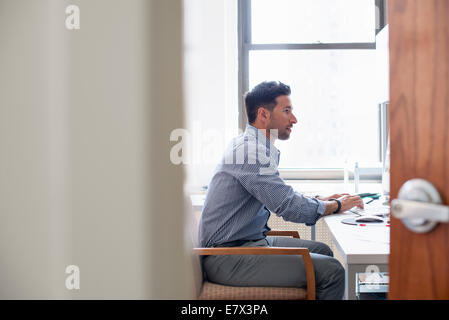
279,270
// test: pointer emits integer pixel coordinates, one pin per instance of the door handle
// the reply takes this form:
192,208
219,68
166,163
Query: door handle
419,206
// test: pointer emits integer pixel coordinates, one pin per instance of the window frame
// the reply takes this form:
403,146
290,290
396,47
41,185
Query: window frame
245,45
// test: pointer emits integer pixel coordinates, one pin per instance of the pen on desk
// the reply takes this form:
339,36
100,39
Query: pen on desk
370,201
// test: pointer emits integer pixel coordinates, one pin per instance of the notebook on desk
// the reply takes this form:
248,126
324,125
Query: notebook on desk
381,211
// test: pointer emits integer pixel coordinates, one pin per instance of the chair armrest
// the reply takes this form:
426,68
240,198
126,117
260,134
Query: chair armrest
249,250
293,234
304,252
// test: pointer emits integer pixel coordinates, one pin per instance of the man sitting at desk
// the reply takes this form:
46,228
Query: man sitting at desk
244,189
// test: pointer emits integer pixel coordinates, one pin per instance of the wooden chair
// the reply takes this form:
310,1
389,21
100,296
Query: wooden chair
206,290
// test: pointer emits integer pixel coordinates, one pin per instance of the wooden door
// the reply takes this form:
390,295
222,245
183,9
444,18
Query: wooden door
419,122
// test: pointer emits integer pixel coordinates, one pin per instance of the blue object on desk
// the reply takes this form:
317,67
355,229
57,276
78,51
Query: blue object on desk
373,196
369,195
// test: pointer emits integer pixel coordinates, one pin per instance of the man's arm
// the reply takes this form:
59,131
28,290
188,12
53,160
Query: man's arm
277,196
281,199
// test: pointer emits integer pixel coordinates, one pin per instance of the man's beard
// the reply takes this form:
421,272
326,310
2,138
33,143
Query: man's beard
284,134
276,133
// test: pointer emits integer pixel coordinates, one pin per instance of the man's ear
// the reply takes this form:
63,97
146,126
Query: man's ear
264,114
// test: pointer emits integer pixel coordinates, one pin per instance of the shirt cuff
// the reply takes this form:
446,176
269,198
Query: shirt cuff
319,212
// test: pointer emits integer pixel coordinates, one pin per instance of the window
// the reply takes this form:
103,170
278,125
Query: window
210,86
325,51
312,21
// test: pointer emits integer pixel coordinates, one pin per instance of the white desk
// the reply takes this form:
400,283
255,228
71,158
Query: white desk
326,188
363,248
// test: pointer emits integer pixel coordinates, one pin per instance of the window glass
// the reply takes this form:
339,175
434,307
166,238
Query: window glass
312,21
334,101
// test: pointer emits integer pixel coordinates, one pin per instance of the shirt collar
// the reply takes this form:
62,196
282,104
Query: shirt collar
261,138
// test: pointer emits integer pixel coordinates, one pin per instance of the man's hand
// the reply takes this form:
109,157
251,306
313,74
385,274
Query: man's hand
347,202
350,201
334,196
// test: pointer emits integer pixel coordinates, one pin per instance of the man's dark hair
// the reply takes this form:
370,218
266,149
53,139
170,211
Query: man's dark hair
264,95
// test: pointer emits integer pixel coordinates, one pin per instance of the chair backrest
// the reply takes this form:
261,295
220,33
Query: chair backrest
192,224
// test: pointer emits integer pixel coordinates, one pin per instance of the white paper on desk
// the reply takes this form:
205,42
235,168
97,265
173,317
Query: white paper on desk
377,234
375,209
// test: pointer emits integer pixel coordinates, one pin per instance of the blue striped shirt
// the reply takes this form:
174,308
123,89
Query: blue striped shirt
244,188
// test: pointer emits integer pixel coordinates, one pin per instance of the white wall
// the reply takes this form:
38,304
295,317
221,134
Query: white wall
211,83
35,234
85,118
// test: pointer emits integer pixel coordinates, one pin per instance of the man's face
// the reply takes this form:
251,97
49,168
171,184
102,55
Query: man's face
282,117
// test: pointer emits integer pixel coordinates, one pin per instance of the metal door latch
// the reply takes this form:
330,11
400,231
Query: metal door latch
419,206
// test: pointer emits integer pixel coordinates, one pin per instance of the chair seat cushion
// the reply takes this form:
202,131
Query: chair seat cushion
213,291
